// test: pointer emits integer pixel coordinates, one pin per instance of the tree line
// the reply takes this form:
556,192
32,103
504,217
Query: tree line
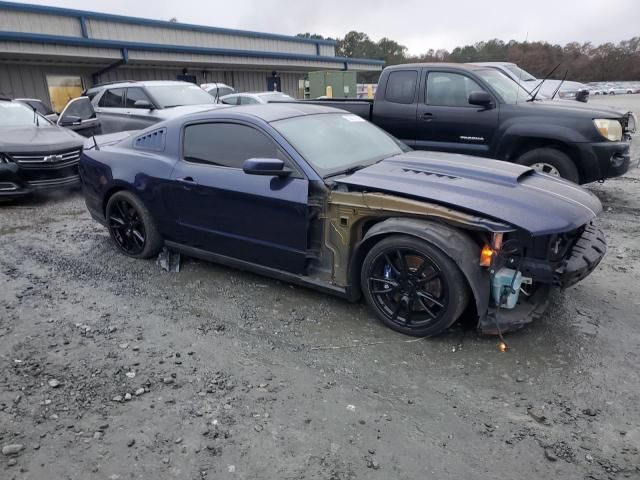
584,62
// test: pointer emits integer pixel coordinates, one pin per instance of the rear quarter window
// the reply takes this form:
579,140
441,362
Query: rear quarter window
401,86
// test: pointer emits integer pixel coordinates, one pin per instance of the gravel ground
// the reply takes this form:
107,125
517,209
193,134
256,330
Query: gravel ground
114,369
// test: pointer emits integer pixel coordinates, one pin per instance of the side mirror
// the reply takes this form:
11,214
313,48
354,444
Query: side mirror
69,120
482,99
582,96
143,104
265,166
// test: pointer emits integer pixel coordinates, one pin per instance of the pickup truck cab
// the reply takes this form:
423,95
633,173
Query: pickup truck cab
477,110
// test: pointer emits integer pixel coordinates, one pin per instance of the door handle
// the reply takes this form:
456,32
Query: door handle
187,180
427,117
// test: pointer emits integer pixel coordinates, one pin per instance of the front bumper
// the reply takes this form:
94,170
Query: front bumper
528,309
16,182
610,159
583,257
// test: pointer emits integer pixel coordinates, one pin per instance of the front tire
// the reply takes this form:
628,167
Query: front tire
551,161
131,226
412,286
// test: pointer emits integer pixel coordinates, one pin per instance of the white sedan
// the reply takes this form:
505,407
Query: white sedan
253,98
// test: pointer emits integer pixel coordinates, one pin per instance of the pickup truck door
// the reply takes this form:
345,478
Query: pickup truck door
445,119
394,109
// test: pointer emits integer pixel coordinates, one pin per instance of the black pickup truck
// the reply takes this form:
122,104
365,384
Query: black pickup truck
477,110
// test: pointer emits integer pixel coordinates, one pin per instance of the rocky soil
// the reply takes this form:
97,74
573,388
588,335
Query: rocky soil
111,368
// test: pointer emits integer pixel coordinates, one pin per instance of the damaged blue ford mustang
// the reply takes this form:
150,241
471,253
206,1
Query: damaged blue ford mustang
317,196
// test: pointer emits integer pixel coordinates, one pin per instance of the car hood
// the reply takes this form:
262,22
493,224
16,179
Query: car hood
34,139
533,201
581,109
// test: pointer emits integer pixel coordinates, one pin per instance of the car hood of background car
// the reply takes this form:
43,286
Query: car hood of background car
536,202
33,139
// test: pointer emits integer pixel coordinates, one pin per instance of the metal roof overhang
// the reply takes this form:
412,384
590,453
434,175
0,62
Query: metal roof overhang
182,55
86,14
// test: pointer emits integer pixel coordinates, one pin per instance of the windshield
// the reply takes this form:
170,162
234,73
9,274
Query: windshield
334,143
219,91
520,73
509,91
14,114
39,106
179,94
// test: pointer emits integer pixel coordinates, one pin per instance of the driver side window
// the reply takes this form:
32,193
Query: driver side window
450,89
226,144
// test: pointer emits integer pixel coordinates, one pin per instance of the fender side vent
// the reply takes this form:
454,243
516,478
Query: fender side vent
152,140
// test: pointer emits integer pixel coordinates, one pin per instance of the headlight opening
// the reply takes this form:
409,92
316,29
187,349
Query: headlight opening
609,129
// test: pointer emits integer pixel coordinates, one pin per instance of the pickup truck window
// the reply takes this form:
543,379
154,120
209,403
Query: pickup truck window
401,86
450,89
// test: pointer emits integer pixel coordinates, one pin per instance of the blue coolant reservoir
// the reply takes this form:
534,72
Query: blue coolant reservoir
501,282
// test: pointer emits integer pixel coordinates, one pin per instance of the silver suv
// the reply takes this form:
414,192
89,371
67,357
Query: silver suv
134,105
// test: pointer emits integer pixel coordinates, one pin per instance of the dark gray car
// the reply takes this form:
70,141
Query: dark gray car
132,105
35,154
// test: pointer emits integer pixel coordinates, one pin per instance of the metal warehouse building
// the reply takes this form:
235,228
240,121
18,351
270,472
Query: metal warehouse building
53,53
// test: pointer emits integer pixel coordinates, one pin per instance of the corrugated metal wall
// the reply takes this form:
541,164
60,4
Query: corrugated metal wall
18,80
31,80
243,81
109,30
12,21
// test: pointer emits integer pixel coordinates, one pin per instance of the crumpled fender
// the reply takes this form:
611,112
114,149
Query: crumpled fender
452,241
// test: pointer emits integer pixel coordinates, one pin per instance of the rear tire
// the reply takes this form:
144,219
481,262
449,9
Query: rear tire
551,161
412,286
131,226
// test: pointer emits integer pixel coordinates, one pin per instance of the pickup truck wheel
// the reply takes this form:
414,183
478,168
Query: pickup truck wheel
131,226
412,286
551,161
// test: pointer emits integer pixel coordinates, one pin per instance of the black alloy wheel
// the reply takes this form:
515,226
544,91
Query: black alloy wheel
131,226
412,286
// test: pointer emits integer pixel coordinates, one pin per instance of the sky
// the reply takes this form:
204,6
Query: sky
417,24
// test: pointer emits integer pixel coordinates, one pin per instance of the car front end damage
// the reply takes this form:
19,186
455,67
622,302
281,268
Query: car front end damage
524,270
509,272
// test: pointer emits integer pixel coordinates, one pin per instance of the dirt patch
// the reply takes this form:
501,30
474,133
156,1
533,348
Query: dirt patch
113,369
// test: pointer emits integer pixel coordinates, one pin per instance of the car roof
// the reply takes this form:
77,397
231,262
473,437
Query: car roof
493,64
145,83
463,66
237,94
269,113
